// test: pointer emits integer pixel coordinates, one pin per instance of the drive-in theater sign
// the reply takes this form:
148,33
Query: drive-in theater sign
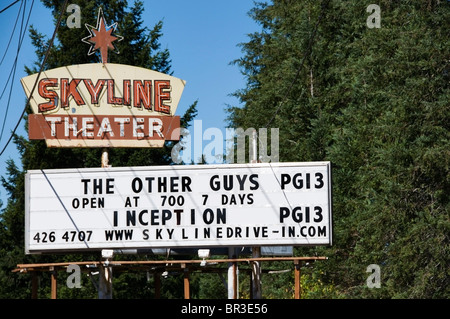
113,105
104,105
178,206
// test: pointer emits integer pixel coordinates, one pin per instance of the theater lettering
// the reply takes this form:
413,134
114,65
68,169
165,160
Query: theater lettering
147,94
104,127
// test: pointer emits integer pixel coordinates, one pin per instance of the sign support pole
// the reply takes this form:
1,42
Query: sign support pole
232,275
34,285
105,282
297,285
105,272
187,292
256,250
54,284
256,274
105,276
105,158
157,280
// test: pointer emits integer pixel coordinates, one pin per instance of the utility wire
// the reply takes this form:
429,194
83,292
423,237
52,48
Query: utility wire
13,71
63,9
4,9
12,34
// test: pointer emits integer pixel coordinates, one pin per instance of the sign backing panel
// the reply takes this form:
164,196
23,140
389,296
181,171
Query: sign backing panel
259,204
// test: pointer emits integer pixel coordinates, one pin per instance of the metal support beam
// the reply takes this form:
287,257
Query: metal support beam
187,294
105,276
157,279
298,287
107,266
256,274
105,158
256,251
34,285
232,275
54,284
105,282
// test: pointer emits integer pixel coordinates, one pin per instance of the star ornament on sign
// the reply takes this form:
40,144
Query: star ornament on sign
101,37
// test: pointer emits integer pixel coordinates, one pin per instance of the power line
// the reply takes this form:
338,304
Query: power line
63,9
13,70
4,9
12,34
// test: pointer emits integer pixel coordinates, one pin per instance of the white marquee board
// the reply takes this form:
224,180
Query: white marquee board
178,206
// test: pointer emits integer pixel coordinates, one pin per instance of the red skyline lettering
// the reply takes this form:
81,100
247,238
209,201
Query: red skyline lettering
162,94
111,98
69,89
51,95
127,92
143,94
94,91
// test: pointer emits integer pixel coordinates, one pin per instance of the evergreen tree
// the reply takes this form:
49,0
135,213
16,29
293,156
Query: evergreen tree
374,102
140,47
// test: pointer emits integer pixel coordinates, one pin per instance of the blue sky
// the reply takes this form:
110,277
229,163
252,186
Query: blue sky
201,35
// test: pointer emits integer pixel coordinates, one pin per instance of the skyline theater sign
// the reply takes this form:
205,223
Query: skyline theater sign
104,105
